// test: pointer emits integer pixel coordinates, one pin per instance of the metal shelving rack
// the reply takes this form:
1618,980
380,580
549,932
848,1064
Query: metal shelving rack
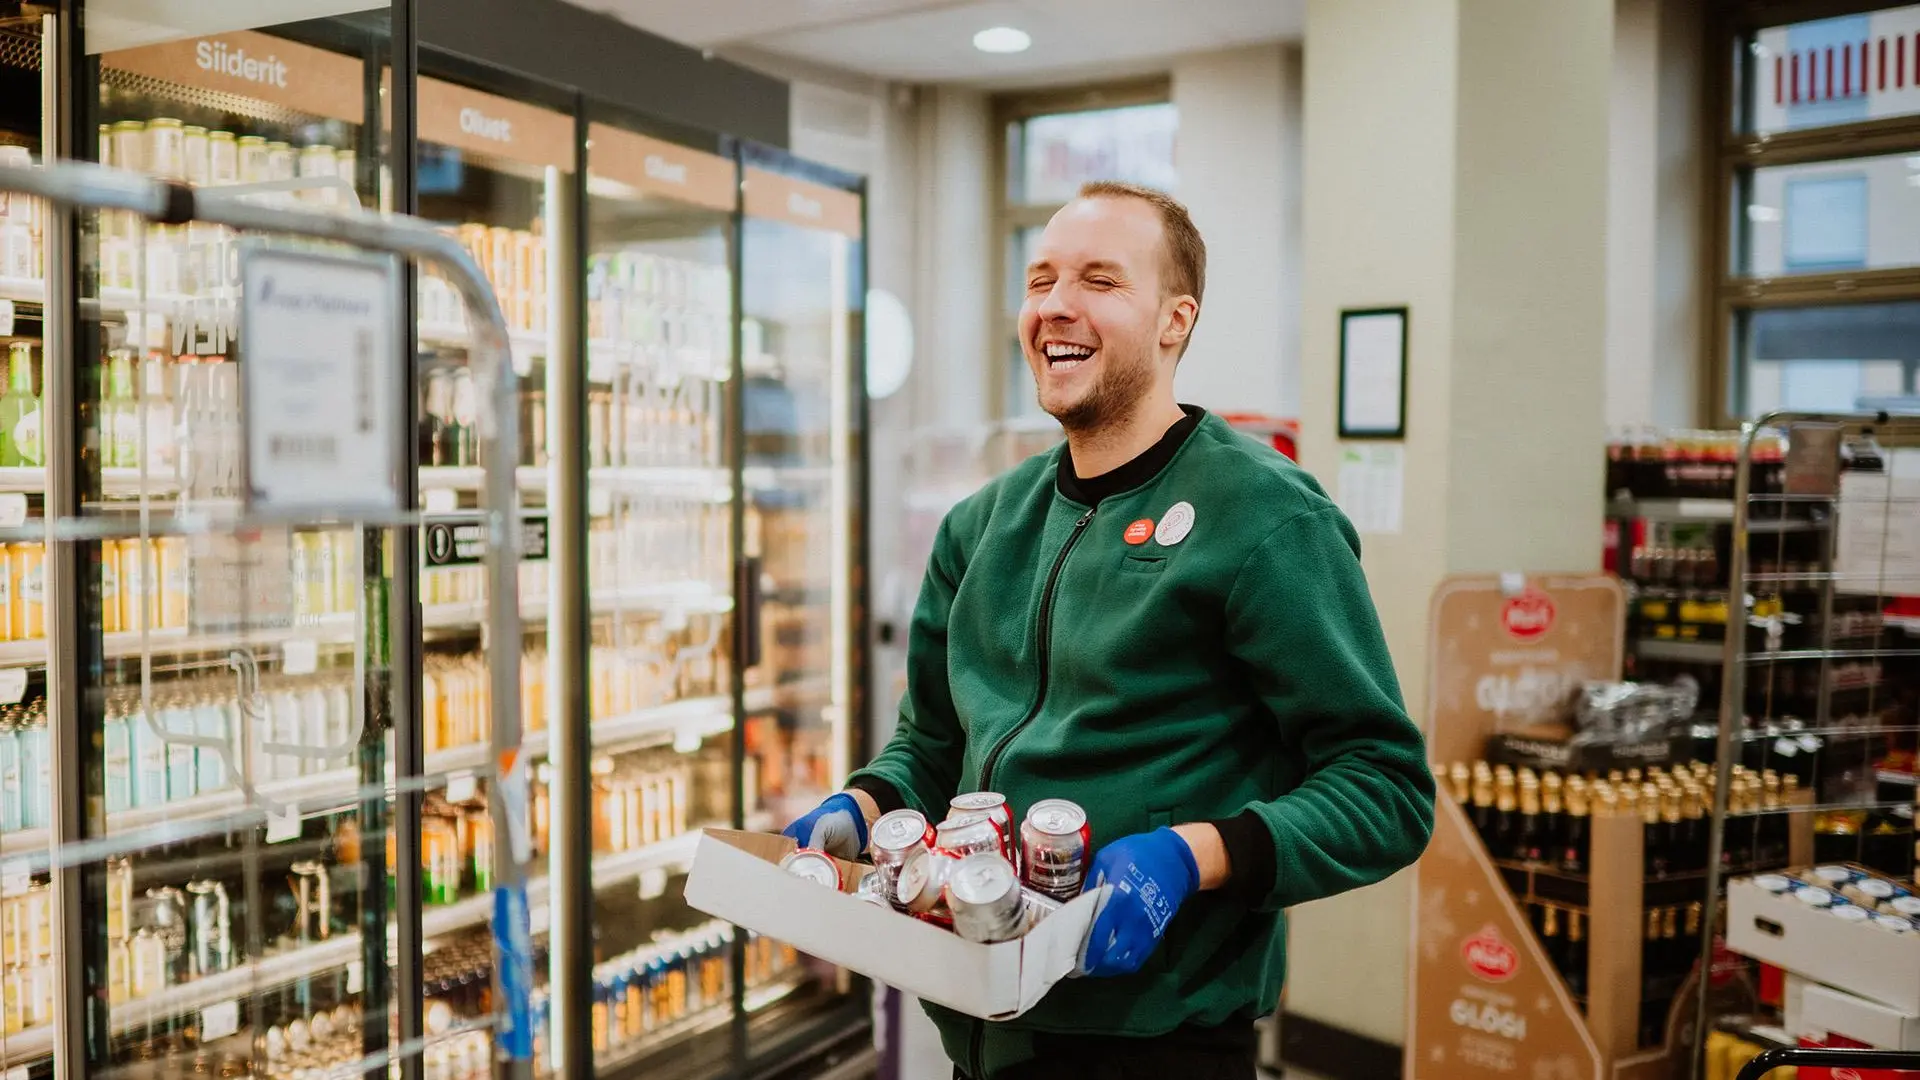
1834,463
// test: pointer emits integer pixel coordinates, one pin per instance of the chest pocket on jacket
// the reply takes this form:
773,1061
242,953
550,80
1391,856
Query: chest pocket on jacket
1144,564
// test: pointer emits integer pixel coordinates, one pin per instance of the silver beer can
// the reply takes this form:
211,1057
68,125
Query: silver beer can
995,806
984,896
969,833
1055,845
923,881
815,866
209,928
892,840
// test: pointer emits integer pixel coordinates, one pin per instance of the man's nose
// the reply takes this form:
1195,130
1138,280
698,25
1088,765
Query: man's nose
1057,303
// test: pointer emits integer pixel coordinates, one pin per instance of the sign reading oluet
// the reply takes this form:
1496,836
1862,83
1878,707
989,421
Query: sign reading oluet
454,115
654,167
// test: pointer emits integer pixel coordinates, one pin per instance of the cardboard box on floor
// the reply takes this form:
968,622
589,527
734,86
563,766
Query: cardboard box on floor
736,876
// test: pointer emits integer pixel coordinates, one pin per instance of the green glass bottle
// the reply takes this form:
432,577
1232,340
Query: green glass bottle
20,411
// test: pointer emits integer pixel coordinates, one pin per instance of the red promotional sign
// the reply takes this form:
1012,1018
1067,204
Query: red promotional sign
1528,616
1489,956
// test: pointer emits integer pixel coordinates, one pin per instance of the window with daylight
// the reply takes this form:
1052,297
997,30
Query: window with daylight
1051,144
1817,289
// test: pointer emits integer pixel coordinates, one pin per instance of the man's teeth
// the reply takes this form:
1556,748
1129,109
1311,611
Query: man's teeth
1066,357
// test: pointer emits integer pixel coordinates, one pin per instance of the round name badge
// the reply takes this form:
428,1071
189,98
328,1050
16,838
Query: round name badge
1138,532
1175,525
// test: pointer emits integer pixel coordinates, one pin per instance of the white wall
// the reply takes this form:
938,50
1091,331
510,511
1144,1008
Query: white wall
1239,162
1653,233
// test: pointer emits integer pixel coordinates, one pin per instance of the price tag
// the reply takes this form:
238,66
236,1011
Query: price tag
13,509
1786,748
674,619
356,977
15,876
219,1021
687,740
1810,744
299,656
6,318
599,502
653,883
461,787
283,827
442,501
13,685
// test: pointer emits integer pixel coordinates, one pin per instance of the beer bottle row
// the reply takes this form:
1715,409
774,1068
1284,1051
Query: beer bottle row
1563,935
1545,818
1669,945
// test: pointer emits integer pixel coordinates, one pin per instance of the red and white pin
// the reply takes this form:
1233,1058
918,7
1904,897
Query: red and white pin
1139,532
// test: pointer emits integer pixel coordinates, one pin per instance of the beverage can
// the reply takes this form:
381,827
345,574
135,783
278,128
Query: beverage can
891,841
164,156
196,162
995,806
118,755
10,787
109,587
281,161
119,897
129,146
1836,875
1056,844
969,833
36,771
923,881
815,866
983,895
165,916
28,574
209,928
173,583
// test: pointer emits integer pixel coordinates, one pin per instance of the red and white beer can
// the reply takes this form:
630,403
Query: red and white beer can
995,806
1056,844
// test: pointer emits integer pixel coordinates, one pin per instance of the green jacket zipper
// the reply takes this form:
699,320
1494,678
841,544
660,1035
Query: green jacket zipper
1045,649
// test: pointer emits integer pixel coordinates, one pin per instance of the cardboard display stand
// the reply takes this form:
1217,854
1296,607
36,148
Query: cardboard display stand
1506,653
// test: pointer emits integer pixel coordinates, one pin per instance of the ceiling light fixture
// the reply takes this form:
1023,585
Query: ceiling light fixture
1002,39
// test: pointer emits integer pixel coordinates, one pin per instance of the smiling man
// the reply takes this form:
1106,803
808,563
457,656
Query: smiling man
1165,622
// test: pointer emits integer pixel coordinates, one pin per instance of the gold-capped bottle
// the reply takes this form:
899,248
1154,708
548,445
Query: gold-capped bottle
1574,964
1691,844
1770,848
1460,783
1527,845
1506,816
1553,818
1673,859
1550,939
1653,832
1575,840
1481,812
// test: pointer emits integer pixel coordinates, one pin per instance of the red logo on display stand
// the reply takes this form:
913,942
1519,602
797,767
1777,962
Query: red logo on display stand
1528,616
1489,956
1140,531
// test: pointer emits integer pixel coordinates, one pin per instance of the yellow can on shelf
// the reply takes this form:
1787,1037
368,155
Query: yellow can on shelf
27,573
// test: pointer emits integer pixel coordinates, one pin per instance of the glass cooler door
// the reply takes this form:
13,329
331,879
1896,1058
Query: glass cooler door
802,289
660,378
28,976
489,170
231,684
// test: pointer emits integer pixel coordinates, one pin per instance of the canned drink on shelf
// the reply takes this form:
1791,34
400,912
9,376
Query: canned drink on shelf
129,146
983,895
892,840
12,815
209,929
36,769
164,152
994,805
317,161
223,158
815,866
1056,844
119,897
166,919
196,163
27,570
282,161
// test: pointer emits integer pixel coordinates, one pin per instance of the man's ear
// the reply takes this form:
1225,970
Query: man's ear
1176,324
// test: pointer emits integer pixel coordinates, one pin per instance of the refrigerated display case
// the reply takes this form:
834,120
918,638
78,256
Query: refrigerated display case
352,873
802,417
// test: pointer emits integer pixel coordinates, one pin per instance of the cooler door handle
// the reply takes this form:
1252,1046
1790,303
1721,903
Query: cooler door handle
746,628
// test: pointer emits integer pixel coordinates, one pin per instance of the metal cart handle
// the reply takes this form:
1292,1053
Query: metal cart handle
1770,1060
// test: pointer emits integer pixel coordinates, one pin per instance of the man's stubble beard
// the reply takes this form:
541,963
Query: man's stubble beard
1120,388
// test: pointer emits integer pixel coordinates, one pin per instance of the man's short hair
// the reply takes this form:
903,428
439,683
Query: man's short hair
1186,253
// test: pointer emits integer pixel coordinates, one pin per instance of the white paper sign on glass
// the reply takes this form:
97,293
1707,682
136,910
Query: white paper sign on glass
320,370
1373,371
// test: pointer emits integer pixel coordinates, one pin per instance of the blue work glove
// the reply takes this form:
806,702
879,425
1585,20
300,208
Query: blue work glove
1152,874
836,827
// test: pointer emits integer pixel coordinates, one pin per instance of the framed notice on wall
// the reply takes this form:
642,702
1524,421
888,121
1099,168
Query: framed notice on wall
1373,373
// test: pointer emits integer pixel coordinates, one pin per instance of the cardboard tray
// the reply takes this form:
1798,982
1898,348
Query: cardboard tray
736,876
1863,960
